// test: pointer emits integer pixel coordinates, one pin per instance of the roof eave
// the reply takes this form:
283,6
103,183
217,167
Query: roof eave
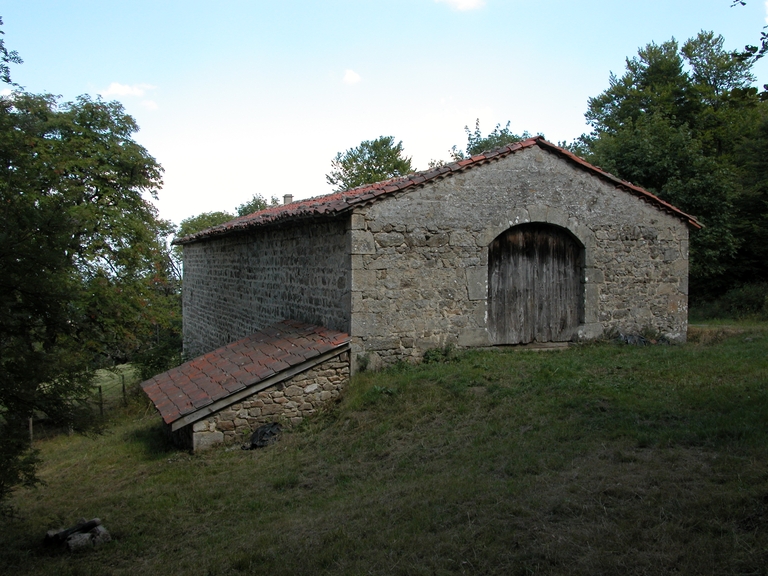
621,184
205,411
226,229
338,204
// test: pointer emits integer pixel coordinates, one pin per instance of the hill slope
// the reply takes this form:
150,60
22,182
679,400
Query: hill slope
600,459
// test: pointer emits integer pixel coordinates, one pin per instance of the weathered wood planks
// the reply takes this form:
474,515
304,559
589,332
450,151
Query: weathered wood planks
534,285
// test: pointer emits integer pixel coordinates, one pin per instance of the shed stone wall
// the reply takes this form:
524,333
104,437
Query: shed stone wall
238,284
288,403
420,259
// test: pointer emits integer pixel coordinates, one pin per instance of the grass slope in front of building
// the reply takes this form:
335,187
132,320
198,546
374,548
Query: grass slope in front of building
600,459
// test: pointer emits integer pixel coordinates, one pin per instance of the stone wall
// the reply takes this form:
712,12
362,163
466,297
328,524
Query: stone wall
238,284
420,259
409,272
288,403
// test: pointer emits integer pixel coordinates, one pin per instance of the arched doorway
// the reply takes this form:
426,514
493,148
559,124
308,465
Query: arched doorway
535,290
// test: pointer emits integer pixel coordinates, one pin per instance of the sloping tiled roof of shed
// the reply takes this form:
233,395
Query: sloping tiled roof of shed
340,202
236,366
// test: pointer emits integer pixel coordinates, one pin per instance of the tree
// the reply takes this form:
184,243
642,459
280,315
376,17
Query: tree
372,161
198,223
7,58
673,123
751,205
477,143
255,204
85,276
753,53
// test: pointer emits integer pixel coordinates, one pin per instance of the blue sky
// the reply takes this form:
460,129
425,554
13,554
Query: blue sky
242,97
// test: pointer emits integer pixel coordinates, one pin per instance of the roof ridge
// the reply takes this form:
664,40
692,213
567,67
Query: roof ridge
337,203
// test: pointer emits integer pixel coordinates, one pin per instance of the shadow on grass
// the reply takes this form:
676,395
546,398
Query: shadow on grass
152,441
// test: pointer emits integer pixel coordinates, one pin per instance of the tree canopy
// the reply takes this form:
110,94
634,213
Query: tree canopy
255,204
86,280
684,122
7,57
371,161
198,223
477,143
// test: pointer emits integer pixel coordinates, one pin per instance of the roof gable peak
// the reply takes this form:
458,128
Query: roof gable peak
337,203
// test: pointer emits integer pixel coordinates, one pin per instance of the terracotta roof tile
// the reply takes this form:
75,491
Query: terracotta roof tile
321,348
216,375
279,365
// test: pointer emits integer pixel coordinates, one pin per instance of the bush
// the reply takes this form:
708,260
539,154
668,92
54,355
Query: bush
744,301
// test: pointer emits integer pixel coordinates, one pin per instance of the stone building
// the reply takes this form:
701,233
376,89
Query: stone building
527,243
430,259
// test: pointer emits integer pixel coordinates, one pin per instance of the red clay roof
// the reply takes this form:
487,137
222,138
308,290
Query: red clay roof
340,202
226,370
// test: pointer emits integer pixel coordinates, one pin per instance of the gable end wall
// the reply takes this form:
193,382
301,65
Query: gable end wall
420,259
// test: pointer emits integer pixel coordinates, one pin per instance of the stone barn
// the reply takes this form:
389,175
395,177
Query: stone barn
524,244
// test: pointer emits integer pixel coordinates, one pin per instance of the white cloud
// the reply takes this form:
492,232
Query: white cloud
6,92
117,89
149,104
463,5
351,77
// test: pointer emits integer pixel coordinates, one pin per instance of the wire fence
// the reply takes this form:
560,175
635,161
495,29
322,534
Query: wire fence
112,390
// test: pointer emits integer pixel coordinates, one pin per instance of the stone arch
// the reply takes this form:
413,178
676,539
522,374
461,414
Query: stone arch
549,215
535,284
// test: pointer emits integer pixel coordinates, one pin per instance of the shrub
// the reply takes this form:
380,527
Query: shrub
746,300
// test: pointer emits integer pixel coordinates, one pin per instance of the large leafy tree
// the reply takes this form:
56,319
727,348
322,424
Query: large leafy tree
751,205
85,276
675,122
371,161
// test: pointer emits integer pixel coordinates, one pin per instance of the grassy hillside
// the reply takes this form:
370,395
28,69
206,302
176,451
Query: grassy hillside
601,459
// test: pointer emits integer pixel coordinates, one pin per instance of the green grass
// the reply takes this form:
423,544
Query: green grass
111,383
601,459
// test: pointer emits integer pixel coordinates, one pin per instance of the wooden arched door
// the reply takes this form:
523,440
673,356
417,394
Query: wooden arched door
535,289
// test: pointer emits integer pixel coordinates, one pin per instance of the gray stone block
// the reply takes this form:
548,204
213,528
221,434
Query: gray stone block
100,535
357,222
79,541
362,242
477,282
474,338
206,440
389,239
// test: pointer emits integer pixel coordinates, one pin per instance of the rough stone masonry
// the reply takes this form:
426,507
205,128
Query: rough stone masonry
303,395
420,260
407,270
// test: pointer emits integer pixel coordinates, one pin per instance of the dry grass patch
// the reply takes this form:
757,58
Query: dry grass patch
711,334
